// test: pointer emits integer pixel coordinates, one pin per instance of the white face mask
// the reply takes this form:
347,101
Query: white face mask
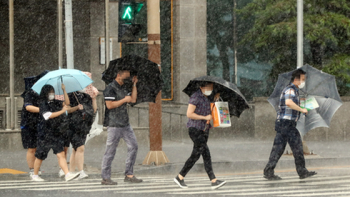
51,96
208,92
302,84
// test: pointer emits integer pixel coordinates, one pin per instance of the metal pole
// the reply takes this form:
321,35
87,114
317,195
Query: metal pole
12,64
235,38
69,34
300,25
300,50
8,113
59,18
107,33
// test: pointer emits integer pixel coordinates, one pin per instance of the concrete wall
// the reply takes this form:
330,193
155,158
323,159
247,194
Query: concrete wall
35,39
190,44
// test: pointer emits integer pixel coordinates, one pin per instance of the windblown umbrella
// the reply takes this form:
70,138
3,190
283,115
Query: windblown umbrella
150,81
30,81
73,79
318,84
228,92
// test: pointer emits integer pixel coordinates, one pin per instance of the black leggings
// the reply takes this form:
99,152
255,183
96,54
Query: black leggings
200,147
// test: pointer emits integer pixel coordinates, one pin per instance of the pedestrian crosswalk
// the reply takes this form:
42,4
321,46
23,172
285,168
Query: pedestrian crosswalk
254,185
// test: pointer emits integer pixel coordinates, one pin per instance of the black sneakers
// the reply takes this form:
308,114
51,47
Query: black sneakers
308,174
108,182
272,177
217,184
132,180
180,183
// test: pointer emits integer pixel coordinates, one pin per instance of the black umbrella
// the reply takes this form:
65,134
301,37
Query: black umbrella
30,81
322,87
150,81
228,92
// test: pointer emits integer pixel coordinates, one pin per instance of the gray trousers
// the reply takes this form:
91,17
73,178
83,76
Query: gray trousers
114,135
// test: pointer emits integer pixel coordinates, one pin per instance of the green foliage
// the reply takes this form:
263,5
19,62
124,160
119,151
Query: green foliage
326,35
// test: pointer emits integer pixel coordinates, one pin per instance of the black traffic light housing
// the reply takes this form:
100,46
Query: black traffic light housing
127,29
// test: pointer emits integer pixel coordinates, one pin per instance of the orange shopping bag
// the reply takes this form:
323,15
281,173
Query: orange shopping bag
221,114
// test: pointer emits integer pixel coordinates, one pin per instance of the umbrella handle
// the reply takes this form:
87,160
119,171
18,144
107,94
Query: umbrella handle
76,98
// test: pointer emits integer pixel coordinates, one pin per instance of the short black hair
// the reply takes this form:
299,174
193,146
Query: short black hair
204,83
123,70
296,74
45,90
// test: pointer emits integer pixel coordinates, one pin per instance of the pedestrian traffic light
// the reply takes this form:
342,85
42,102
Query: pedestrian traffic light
127,29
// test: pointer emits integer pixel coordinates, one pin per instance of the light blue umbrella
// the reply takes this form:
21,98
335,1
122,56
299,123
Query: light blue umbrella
73,79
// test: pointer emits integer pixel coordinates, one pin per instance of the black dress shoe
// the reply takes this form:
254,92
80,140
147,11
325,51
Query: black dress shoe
272,177
308,174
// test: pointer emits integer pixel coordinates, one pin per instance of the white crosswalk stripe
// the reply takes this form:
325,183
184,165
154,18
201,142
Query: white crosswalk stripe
199,185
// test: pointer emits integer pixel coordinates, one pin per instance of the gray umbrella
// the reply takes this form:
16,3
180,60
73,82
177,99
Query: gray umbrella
318,84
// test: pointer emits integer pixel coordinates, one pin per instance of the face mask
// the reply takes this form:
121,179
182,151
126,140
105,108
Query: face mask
127,80
302,84
208,92
51,96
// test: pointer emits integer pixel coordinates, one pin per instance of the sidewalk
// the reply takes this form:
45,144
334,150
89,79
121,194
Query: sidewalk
228,156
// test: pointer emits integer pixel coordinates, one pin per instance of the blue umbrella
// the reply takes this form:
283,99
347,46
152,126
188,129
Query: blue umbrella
73,79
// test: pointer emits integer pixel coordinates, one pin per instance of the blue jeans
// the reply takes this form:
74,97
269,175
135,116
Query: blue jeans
114,135
286,132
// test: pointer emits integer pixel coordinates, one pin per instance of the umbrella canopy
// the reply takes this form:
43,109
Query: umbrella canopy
90,89
30,81
228,92
73,79
150,81
318,84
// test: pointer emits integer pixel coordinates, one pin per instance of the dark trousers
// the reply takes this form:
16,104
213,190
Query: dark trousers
286,132
200,147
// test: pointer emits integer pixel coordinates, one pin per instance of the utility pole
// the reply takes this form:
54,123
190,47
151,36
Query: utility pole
69,34
12,66
235,38
156,155
107,34
59,24
300,33
300,49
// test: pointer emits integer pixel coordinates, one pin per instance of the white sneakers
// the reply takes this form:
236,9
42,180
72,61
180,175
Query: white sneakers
31,172
71,176
68,177
37,178
82,175
61,173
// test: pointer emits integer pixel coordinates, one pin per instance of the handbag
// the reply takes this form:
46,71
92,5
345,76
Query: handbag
221,114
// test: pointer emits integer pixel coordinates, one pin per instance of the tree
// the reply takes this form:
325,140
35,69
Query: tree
220,34
326,35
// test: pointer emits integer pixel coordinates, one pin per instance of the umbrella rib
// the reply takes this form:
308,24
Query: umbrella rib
315,87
